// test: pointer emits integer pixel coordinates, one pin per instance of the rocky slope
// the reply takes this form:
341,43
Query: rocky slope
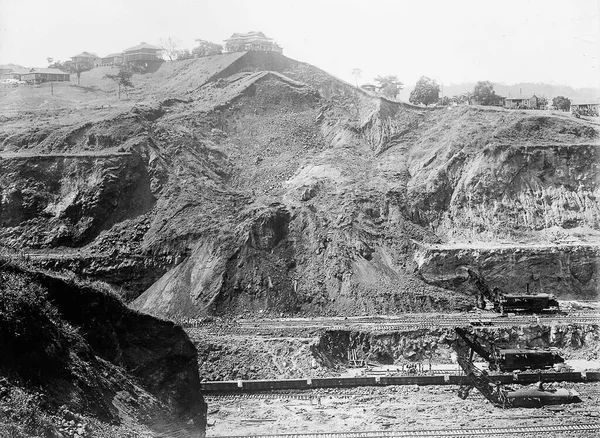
569,270
77,353
251,182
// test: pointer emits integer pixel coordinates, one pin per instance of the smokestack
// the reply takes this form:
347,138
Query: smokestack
520,92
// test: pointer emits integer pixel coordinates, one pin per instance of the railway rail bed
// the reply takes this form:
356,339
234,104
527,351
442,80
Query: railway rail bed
266,327
311,397
254,386
571,429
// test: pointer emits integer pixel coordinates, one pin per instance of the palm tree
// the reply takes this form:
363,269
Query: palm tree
466,97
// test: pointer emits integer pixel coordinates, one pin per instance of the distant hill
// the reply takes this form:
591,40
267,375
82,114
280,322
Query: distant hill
10,67
549,90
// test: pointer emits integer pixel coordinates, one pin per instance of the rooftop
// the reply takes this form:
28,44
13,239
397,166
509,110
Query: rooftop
249,36
527,96
141,46
86,55
53,71
19,71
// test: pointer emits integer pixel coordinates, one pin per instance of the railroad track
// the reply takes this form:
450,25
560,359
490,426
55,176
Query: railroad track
311,397
220,397
487,431
279,327
393,319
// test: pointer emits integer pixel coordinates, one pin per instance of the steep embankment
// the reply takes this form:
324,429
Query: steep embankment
253,182
88,356
513,196
567,270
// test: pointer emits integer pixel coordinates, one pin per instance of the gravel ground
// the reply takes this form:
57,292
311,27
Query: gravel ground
386,409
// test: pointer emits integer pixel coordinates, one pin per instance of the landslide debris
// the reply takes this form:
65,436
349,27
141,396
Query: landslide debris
251,182
77,362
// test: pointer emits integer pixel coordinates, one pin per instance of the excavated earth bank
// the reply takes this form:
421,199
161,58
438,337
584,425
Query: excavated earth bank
324,353
250,182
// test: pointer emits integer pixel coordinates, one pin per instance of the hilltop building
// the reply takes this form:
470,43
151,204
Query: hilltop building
142,54
586,108
526,102
85,58
7,68
39,75
110,60
370,87
251,41
14,73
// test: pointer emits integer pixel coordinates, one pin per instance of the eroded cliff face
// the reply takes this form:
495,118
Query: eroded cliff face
508,190
254,183
568,271
516,201
67,200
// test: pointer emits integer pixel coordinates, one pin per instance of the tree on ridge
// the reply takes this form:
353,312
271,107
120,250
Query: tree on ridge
206,48
390,85
484,93
426,91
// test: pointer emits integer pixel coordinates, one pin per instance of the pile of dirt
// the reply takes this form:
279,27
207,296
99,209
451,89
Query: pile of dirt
76,360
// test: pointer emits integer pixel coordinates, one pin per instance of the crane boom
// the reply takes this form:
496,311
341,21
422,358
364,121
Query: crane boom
472,342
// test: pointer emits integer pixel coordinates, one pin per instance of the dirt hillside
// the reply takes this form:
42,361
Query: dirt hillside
251,183
77,362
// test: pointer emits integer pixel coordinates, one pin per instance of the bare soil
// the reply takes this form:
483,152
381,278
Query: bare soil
387,409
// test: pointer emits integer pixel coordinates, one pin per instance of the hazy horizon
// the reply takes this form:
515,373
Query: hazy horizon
457,42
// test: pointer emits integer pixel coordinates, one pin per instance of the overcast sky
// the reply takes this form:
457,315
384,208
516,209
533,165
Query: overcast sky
452,41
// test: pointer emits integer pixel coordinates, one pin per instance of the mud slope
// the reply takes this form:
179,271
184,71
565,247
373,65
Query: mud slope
249,183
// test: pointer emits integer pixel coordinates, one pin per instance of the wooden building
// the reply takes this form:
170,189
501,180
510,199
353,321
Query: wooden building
370,87
110,60
143,53
85,58
586,108
6,68
521,102
15,73
251,41
39,75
